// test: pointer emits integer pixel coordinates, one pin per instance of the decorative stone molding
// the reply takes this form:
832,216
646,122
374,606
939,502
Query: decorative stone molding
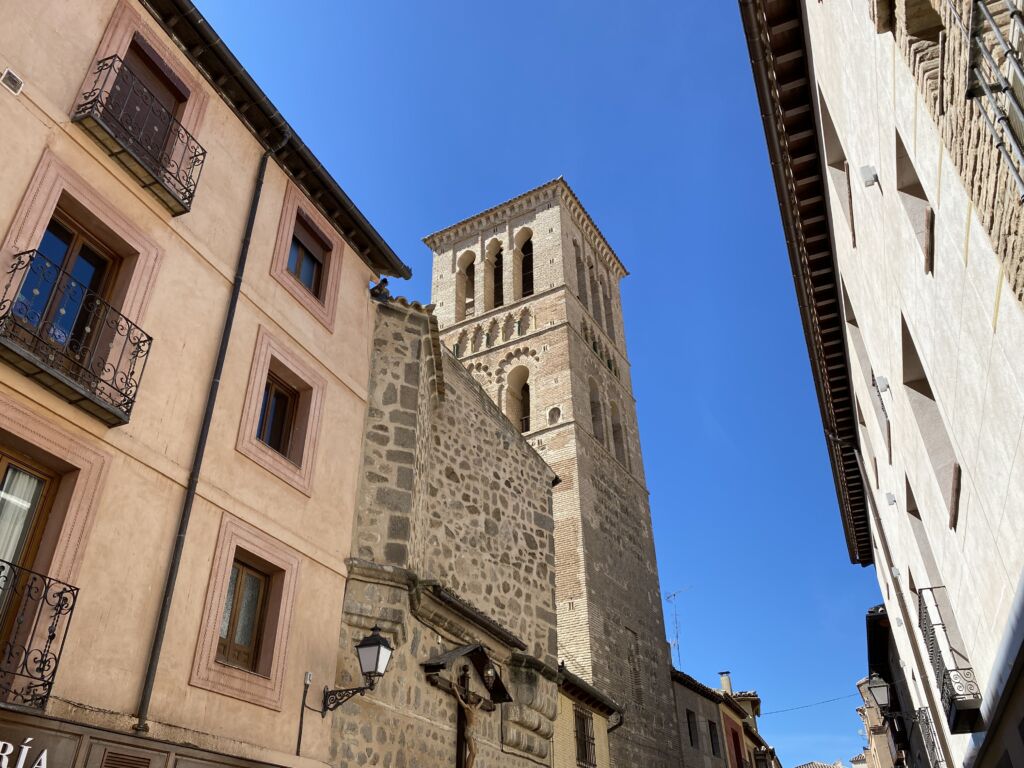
557,190
296,205
82,469
265,687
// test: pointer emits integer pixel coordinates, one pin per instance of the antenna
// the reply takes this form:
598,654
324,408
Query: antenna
671,598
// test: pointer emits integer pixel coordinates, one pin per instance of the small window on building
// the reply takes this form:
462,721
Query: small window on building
241,626
931,425
306,258
152,97
915,202
716,748
586,750
596,413
277,415
691,726
498,276
581,274
517,399
837,167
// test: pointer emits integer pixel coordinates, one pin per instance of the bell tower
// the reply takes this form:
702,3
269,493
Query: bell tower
527,295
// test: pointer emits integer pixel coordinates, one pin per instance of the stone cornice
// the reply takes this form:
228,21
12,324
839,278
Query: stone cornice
556,190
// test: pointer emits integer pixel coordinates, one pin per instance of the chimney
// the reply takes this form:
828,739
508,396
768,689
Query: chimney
726,681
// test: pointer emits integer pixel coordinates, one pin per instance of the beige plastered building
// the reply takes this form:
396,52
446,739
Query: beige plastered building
895,138
142,169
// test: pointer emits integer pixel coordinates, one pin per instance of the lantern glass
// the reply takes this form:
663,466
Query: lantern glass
374,653
879,690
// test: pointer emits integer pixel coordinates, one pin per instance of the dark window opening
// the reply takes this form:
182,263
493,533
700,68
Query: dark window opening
691,726
527,268
524,398
277,415
306,258
499,288
716,748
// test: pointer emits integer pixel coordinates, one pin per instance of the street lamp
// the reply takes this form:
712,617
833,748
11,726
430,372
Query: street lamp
879,690
374,652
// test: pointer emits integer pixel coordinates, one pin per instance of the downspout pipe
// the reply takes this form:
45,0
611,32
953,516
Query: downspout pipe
142,716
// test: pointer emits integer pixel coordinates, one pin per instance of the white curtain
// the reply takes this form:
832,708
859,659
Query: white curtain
19,496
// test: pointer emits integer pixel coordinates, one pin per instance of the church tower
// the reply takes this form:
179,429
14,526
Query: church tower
527,296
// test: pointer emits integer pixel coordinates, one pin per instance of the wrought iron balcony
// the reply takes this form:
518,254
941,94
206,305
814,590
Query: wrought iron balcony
68,338
996,78
930,738
139,132
958,687
36,613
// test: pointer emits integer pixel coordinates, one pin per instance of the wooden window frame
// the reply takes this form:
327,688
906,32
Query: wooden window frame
226,646
272,357
263,686
275,384
297,213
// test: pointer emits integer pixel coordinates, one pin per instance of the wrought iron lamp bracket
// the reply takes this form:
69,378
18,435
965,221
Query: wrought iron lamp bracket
338,696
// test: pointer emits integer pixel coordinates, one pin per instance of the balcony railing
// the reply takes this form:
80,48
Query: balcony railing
958,688
139,132
997,79
68,338
36,613
929,738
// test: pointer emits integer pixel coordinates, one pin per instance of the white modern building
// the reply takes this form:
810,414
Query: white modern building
894,129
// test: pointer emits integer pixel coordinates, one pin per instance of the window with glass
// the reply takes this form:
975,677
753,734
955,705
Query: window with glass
241,625
24,490
61,295
306,258
586,750
277,415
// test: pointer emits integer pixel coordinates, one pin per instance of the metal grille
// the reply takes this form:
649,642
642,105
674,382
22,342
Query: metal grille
36,613
586,750
930,739
141,134
957,683
86,347
997,78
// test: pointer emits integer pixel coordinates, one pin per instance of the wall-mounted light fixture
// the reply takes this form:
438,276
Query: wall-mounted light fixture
868,175
374,652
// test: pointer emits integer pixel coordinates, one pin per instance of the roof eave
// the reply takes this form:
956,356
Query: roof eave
830,370
192,33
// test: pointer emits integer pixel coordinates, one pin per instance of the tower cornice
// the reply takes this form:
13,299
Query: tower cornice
556,190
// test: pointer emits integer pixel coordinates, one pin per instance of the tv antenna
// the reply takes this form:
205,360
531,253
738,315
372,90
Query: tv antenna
671,598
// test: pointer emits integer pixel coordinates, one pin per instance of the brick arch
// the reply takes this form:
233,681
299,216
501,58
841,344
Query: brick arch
508,327
515,358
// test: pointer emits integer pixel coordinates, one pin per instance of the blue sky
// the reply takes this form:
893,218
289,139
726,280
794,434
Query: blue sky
429,112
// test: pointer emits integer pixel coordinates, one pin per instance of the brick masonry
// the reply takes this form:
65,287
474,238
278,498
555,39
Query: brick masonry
610,624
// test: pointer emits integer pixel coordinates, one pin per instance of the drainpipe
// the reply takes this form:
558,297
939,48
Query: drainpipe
204,432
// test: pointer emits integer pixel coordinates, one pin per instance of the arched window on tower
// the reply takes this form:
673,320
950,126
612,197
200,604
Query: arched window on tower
517,398
528,268
618,439
581,275
498,272
522,264
609,321
462,345
596,414
595,299
523,323
465,286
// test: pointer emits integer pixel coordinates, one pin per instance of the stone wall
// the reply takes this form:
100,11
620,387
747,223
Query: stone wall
940,68
452,499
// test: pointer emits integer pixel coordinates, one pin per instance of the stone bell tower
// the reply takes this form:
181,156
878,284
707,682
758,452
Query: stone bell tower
527,295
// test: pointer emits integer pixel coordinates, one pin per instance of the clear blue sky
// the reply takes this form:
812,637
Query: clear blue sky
427,112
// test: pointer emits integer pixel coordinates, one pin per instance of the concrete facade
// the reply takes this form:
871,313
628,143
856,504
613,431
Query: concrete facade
108,520
909,286
565,341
